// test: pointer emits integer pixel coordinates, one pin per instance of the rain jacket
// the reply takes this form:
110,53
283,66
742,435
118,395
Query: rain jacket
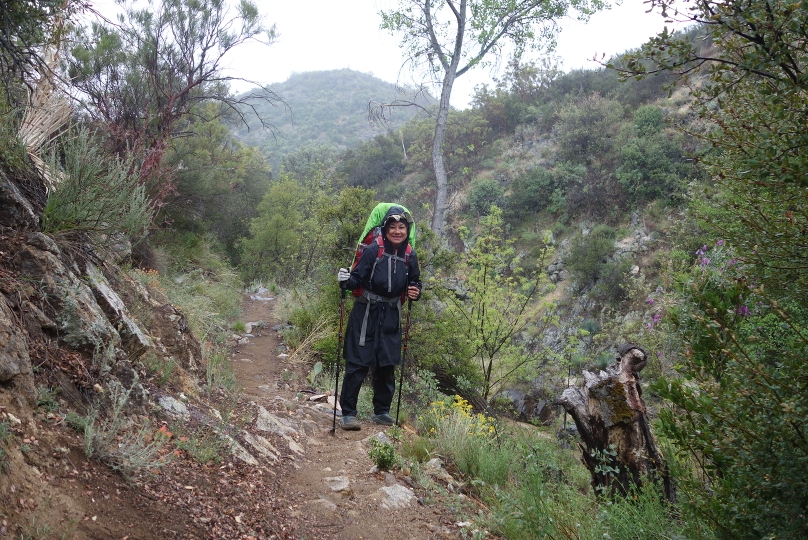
379,311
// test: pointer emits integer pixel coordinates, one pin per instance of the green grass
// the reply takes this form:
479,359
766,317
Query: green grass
534,486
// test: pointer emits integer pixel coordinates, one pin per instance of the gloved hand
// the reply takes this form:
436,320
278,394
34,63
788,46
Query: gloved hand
343,275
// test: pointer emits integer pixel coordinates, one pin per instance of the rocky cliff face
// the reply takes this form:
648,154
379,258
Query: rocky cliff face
63,307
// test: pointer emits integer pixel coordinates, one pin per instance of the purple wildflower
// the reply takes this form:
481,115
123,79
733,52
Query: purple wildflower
720,242
650,301
742,311
705,261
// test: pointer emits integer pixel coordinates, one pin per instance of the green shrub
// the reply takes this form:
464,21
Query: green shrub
77,421
6,437
612,286
383,454
96,195
484,193
587,257
736,413
47,398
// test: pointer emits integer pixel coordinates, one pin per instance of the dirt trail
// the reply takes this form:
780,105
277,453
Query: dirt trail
288,477
316,504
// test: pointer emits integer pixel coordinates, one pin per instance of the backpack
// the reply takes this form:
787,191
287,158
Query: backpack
373,235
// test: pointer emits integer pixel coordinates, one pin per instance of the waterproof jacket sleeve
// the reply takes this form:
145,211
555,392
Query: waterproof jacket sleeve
360,275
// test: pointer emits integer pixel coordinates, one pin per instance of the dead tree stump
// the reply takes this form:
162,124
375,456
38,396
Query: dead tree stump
617,445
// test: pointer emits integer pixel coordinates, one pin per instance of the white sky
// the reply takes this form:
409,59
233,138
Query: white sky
334,34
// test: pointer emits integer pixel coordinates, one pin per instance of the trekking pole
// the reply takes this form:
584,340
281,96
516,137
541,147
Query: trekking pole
403,357
339,352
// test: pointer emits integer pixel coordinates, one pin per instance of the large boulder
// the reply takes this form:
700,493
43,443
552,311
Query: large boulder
80,321
134,340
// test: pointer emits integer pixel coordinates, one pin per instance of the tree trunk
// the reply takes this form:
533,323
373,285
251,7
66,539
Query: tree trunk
617,445
441,176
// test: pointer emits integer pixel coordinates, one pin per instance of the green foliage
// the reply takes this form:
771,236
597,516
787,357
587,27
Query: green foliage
588,129
495,304
467,439
652,160
77,422
26,26
143,73
380,159
6,436
204,444
752,108
382,453
588,253
219,181
47,398
162,367
483,194
736,413
300,228
96,195
201,284
612,285
538,189
512,101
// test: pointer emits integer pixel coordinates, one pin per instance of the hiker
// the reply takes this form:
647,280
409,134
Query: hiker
373,335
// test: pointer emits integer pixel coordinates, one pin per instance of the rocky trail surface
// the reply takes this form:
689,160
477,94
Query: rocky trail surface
287,475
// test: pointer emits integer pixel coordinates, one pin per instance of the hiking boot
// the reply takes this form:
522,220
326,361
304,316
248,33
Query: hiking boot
384,419
349,423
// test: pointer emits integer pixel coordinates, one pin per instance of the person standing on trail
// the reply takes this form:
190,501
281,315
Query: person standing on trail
373,335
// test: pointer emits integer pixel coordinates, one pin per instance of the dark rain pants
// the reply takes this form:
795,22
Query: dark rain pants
384,387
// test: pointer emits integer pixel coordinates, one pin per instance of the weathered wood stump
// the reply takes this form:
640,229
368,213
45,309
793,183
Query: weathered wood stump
617,445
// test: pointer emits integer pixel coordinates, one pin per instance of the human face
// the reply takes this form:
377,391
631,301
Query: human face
396,233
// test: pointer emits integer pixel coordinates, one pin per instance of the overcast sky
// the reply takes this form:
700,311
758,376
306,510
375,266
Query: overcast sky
334,34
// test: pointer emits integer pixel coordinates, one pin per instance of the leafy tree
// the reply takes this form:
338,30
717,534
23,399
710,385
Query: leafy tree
734,413
219,181
467,137
754,104
588,130
25,26
483,194
737,413
447,38
497,305
304,225
308,160
511,101
588,254
382,158
532,191
139,77
652,160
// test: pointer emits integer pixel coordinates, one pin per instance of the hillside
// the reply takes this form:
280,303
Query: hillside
328,108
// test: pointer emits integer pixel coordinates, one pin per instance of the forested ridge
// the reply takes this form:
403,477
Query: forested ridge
650,213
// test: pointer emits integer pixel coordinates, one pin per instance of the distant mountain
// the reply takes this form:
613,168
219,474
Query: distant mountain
327,108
